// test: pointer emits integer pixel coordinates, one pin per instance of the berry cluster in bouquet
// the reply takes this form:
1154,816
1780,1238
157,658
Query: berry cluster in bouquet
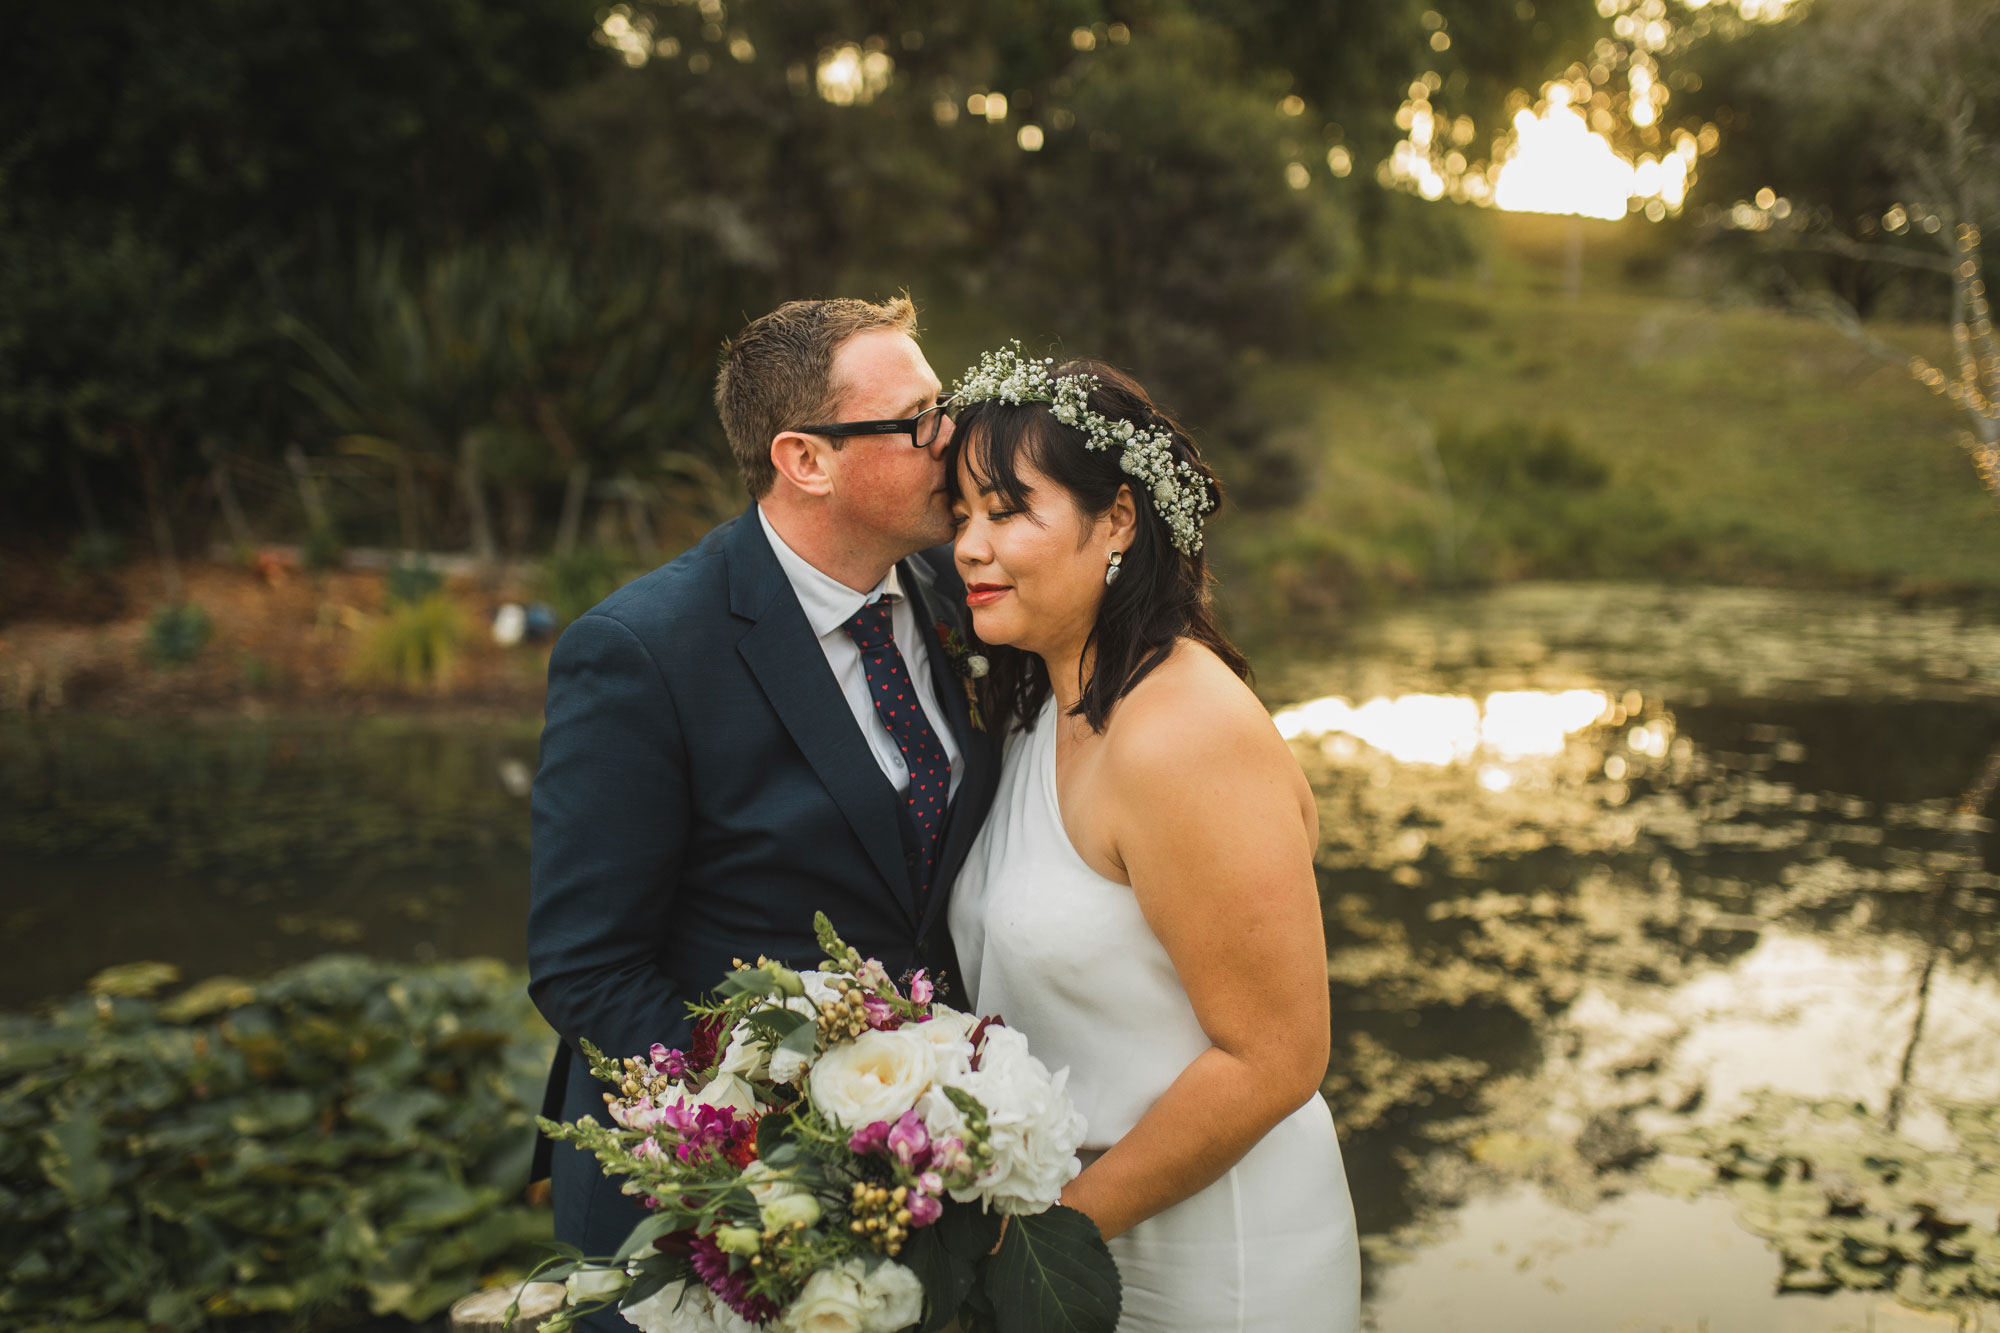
838,1155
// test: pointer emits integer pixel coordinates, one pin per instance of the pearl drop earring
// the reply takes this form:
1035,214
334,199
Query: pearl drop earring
1111,573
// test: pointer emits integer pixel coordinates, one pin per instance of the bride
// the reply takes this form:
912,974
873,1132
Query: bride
1141,902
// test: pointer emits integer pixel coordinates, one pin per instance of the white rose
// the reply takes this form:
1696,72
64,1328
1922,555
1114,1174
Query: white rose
818,989
789,1066
731,1091
850,1299
685,1307
877,1076
830,1302
766,1184
746,1056
595,1284
950,1035
891,1298
1033,1129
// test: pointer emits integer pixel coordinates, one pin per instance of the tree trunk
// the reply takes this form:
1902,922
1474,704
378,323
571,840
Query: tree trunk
232,510
156,516
519,512
641,523
406,503
473,491
309,496
572,510
79,484
485,1311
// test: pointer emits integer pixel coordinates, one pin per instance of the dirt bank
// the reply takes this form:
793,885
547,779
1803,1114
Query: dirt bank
283,641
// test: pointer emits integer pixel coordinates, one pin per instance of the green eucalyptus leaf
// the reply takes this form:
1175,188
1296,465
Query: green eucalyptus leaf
645,1233
801,1040
748,981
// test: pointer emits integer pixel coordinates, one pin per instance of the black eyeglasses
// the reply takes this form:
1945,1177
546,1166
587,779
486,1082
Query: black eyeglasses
922,428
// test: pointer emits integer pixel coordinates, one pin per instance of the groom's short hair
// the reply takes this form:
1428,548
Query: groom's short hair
778,373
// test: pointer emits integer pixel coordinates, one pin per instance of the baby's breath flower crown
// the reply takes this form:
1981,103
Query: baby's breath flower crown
1179,492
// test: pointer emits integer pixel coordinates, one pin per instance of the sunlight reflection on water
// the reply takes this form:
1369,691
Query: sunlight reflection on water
1601,866
1441,729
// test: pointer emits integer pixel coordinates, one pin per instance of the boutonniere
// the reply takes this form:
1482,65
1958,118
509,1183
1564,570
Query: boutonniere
969,665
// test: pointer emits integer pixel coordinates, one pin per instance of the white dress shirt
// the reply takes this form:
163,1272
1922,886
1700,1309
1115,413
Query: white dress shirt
829,604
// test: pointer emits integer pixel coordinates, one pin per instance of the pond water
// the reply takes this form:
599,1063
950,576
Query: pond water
1661,934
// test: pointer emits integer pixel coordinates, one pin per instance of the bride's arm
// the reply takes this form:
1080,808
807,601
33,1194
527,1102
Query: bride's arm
1213,824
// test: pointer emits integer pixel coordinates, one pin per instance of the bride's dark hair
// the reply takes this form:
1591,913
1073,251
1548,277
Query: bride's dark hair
1160,596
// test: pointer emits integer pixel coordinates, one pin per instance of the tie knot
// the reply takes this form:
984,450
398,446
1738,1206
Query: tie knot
871,626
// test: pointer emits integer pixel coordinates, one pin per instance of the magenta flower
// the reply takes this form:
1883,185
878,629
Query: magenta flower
921,989
910,1141
674,1064
869,1139
715,1129
924,1210
881,1018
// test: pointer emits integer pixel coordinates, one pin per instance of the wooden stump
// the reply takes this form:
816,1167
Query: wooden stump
485,1311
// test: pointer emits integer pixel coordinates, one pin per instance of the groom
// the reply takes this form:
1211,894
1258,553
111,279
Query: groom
731,741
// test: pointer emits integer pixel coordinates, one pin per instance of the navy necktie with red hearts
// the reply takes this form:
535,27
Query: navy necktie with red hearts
896,704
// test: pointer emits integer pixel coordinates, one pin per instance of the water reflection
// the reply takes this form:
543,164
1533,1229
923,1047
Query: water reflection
242,847
1445,729
1592,880
1598,865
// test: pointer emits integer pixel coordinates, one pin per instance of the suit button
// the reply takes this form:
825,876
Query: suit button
910,860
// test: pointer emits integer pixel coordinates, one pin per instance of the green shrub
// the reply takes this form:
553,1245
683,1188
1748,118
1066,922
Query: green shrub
323,548
177,634
346,1135
95,553
1533,501
415,645
412,583
574,583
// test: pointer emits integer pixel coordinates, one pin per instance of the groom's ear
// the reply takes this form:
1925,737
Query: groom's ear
801,460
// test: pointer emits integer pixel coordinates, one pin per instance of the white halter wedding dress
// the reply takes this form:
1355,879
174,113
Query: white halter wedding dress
1064,956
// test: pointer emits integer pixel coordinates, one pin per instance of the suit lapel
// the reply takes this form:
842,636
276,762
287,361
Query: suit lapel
786,658
978,748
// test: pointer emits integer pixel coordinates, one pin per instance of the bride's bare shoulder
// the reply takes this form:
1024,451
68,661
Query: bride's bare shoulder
1190,709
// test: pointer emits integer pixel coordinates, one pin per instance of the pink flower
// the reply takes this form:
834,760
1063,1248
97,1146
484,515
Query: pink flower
930,1182
881,1018
674,1064
924,1209
909,1140
869,1139
921,989
715,1129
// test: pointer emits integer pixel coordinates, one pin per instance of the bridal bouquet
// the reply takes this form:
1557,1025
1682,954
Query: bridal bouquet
838,1155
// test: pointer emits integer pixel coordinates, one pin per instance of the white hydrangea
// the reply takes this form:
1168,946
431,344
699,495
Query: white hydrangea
1177,490
1032,1128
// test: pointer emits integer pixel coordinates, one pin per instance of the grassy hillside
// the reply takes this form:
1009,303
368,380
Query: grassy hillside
1651,427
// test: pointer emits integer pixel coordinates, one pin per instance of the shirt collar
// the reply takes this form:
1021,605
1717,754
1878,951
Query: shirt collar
828,603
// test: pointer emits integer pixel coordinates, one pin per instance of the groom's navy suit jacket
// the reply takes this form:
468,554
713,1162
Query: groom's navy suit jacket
703,790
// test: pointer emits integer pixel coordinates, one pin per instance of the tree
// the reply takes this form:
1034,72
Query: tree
1878,121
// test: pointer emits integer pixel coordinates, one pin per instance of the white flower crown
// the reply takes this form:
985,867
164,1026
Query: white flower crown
1178,491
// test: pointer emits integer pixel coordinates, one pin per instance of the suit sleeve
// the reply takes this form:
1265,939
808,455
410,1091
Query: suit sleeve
610,824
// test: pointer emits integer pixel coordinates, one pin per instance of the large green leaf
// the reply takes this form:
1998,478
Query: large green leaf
1053,1274
946,1277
